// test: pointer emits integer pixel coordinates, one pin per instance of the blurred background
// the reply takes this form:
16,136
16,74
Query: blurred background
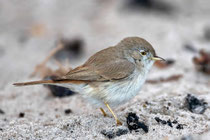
29,30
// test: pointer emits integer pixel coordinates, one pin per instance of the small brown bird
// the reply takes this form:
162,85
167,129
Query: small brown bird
112,76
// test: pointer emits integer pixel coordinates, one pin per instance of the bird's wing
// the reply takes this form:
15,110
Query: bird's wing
105,65
108,71
116,70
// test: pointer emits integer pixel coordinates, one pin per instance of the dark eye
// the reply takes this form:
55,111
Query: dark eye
143,53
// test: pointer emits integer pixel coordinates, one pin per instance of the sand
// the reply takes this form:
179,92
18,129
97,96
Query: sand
29,30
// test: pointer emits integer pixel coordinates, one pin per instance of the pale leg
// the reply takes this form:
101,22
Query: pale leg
117,120
103,112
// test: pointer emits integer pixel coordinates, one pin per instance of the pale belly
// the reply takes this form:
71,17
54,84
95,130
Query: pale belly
114,93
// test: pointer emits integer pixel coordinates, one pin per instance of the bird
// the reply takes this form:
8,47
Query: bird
110,77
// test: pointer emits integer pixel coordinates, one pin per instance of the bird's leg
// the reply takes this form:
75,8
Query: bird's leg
117,120
103,112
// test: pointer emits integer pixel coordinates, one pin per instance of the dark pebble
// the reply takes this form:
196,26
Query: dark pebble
163,122
21,115
112,134
109,134
175,122
68,111
134,124
132,117
120,132
1,129
58,91
179,126
195,105
143,126
158,119
1,111
169,123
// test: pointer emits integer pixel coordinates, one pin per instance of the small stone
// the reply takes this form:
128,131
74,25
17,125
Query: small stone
112,134
169,123
179,126
163,122
68,111
21,115
195,105
109,134
158,119
175,122
120,132
134,124
143,126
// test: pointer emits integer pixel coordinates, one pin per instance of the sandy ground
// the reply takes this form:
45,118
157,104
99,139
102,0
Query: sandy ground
29,30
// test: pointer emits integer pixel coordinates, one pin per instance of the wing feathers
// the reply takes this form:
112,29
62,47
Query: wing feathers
108,64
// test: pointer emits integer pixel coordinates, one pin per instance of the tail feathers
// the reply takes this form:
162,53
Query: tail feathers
49,82
34,83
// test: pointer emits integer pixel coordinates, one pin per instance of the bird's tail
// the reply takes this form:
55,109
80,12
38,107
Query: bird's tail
51,82
34,83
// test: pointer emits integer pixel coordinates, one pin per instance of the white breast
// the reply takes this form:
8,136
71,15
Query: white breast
122,92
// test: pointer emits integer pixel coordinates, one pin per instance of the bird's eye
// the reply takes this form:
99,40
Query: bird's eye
143,53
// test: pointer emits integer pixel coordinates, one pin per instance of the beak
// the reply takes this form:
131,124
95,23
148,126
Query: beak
157,58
